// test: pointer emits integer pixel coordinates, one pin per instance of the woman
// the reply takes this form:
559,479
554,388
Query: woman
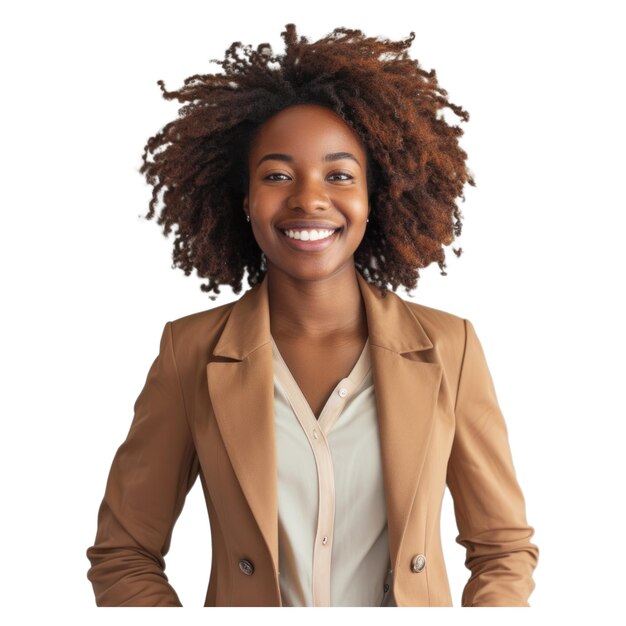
324,414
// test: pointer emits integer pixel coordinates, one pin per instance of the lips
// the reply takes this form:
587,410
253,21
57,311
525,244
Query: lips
314,224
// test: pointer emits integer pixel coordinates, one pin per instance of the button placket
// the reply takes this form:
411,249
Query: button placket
317,431
336,404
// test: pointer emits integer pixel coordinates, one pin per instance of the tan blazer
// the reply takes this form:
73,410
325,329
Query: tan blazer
207,410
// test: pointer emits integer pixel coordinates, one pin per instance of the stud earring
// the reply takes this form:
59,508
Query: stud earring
247,218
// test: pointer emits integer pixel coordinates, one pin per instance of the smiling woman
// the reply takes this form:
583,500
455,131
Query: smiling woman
324,414
391,112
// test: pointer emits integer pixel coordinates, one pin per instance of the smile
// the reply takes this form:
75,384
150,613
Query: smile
302,242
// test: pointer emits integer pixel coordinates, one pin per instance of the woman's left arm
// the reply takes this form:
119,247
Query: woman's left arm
488,501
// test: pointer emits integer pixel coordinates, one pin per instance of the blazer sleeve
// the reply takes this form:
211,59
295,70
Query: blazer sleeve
151,474
488,502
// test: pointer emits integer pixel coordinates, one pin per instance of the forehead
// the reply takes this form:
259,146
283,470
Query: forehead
306,125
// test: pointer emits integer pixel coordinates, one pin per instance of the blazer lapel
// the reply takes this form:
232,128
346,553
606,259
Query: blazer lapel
406,391
242,395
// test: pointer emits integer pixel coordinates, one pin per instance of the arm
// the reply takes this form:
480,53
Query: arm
488,502
151,474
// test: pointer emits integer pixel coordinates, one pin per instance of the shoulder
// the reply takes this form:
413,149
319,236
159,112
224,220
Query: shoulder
195,334
202,319
448,332
439,325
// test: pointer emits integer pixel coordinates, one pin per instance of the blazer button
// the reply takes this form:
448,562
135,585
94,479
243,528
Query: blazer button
246,567
418,563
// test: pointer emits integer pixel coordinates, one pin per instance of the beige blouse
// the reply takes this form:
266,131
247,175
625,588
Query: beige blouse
332,521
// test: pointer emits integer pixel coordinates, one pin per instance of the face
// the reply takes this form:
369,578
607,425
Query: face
307,168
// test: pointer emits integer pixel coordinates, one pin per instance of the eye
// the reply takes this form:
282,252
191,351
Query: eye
349,176
269,176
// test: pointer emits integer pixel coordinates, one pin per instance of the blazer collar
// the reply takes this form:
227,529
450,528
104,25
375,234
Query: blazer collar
391,324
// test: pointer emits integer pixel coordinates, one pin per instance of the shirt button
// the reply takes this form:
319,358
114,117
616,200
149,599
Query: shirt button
325,540
343,392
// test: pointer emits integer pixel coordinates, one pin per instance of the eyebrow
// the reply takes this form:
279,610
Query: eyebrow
333,156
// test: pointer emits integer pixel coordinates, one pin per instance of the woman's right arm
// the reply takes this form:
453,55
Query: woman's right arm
488,501
150,477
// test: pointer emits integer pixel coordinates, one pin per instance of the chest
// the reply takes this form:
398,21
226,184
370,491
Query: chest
317,369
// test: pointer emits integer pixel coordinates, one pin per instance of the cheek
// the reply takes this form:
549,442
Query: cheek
263,206
357,207
262,199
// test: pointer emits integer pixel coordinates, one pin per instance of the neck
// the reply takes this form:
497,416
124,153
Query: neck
316,310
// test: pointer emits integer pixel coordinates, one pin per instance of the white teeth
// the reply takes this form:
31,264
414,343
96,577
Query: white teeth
309,235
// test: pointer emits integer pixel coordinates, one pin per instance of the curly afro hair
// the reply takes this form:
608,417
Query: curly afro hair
416,168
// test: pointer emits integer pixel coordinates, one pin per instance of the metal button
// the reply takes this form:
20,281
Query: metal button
343,392
246,567
418,563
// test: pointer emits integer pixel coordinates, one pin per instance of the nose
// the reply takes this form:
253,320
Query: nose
309,195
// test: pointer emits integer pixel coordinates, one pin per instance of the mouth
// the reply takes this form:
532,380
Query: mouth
310,245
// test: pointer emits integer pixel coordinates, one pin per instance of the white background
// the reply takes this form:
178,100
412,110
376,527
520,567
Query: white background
88,283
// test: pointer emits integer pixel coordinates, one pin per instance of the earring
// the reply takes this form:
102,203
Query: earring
368,219
247,218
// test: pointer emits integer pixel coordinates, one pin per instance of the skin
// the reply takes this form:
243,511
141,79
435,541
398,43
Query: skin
317,316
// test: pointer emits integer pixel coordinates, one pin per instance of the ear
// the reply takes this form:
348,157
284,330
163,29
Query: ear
245,204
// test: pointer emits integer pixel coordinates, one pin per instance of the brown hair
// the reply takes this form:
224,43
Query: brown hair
416,168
